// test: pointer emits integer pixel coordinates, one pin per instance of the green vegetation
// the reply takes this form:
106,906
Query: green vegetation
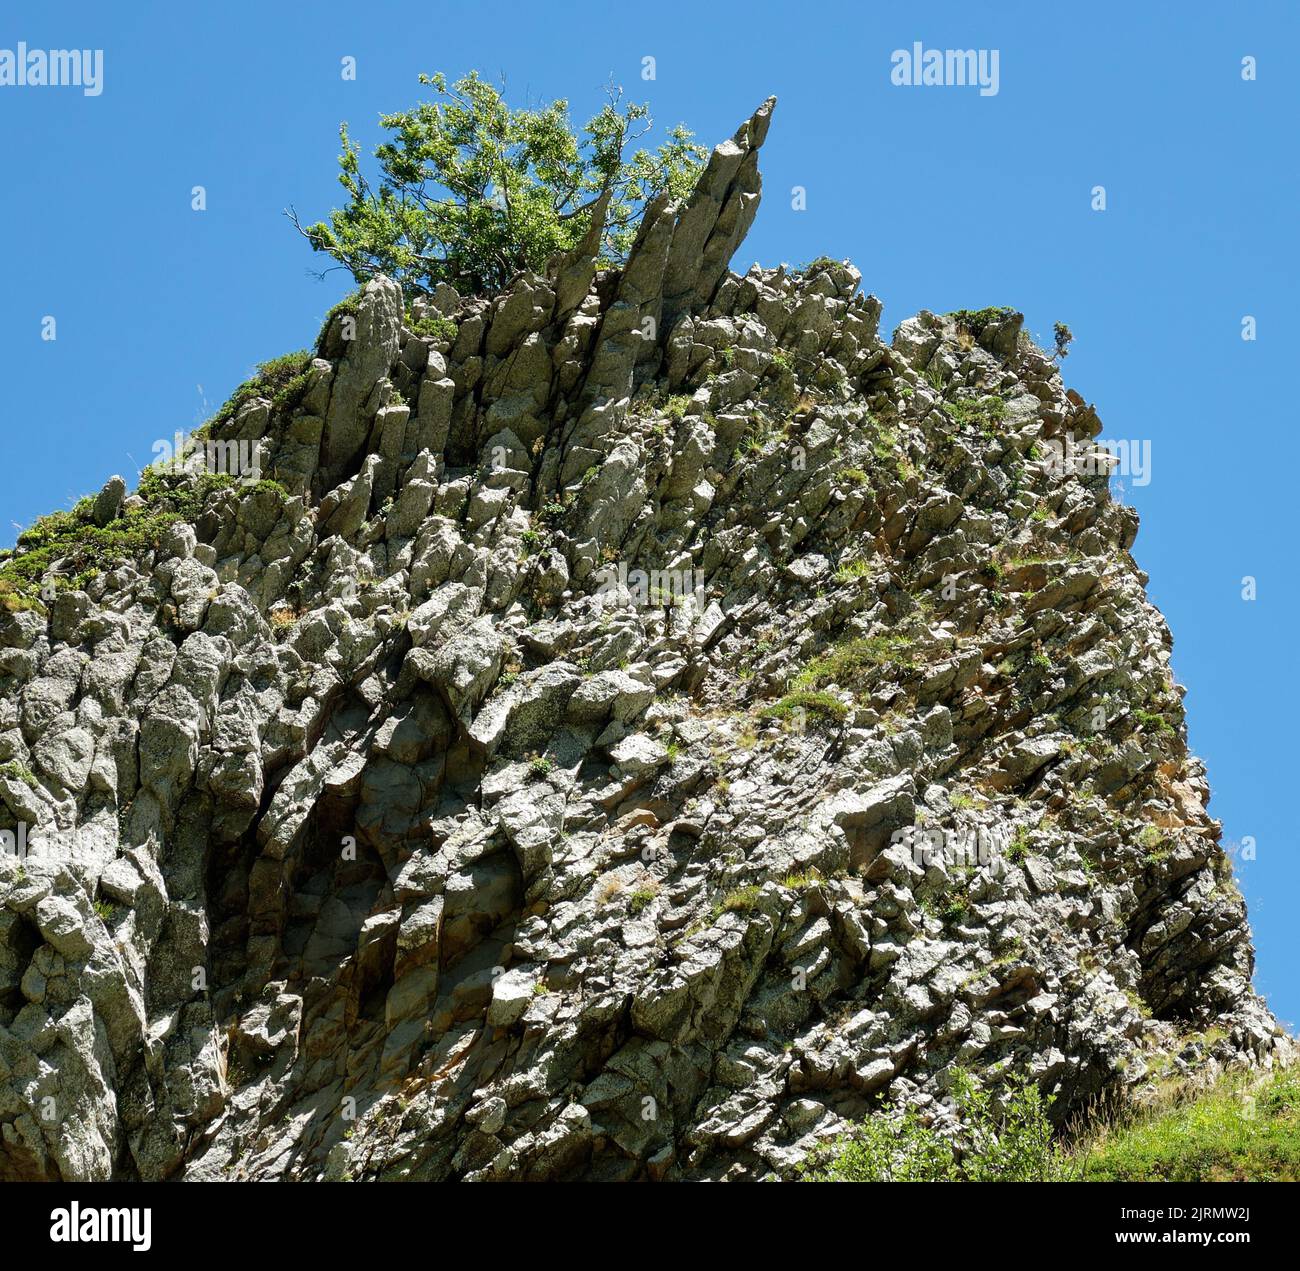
815,704
83,550
852,570
984,412
1153,722
17,772
1244,1129
740,901
676,406
1014,1146
1018,848
975,320
756,440
800,881
848,662
1150,836
641,898
436,328
16,599
470,191
283,379
884,439
1157,847
1234,1133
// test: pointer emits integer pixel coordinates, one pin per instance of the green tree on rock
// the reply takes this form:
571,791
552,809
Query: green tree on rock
471,191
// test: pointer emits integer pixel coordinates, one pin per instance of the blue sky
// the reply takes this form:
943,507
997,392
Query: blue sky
942,197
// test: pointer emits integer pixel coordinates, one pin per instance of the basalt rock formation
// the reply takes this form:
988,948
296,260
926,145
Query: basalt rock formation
551,767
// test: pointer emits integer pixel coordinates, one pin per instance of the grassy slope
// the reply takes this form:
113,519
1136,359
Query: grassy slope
1237,1132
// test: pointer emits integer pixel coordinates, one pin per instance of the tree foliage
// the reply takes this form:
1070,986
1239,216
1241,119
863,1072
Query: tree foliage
471,191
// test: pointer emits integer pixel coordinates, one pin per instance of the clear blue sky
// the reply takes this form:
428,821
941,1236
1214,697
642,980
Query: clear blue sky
942,197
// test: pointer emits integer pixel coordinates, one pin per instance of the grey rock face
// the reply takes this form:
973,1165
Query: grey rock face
633,749
369,356
108,502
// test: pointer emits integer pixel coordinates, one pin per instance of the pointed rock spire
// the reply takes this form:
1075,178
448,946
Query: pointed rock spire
716,218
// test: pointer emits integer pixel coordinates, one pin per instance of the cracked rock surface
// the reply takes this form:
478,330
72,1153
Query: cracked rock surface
526,781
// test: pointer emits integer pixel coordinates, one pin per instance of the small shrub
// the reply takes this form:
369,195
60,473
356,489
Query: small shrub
740,901
1016,1145
17,772
983,412
82,551
851,571
436,328
848,662
975,320
17,601
1152,722
815,703
676,407
1018,848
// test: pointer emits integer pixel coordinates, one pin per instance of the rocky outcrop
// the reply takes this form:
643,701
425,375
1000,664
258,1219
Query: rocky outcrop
567,764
